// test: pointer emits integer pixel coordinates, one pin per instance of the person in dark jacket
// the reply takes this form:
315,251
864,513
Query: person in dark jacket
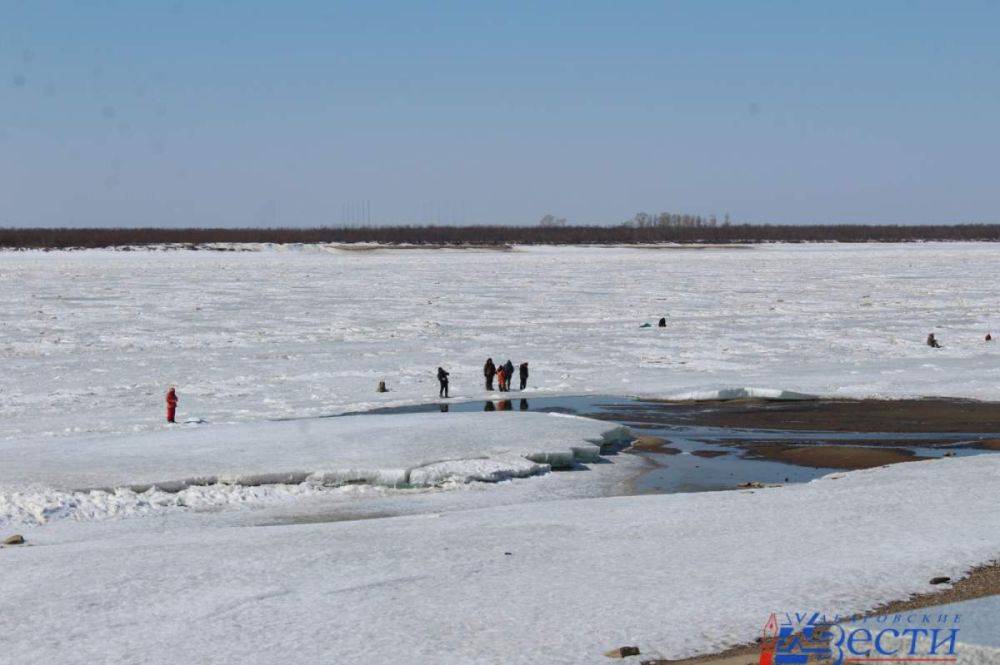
523,370
509,369
443,380
489,371
932,342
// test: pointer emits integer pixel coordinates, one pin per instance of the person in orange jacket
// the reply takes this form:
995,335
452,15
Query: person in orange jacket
502,378
171,404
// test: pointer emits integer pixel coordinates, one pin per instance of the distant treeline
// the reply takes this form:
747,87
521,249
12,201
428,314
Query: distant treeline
44,238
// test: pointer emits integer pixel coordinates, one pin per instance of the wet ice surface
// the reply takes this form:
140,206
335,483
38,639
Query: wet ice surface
687,472
724,467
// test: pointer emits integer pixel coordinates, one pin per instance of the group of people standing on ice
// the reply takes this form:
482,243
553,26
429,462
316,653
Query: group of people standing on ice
504,374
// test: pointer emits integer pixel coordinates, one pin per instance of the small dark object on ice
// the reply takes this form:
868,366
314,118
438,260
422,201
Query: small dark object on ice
16,539
932,342
989,337
663,322
940,580
622,652
508,553
646,325
382,388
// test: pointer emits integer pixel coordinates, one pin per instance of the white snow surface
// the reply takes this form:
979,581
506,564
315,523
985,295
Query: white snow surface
674,574
90,340
47,477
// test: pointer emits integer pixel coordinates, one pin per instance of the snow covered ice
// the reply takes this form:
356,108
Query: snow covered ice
91,340
393,451
676,574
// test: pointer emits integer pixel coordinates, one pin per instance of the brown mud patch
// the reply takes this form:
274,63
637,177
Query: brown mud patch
652,444
709,453
931,415
827,456
967,423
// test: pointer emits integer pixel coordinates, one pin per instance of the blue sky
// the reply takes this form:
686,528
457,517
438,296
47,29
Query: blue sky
295,113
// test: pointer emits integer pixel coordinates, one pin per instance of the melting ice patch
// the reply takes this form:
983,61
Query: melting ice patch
748,392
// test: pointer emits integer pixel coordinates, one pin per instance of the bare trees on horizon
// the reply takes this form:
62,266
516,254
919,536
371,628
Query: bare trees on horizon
661,228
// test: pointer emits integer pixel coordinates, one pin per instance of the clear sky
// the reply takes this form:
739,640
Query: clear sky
244,112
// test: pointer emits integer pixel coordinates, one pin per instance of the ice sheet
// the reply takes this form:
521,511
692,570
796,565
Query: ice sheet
91,340
56,476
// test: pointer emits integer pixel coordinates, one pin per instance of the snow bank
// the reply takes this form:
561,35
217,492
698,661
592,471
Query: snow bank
729,394
39,505
553,582
117,473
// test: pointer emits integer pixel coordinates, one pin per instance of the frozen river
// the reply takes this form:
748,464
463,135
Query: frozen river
547,567
90,340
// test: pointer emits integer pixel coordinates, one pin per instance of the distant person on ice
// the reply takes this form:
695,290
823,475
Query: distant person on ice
508,368
171,404
932,342
523,370
989,337
489,371
443,380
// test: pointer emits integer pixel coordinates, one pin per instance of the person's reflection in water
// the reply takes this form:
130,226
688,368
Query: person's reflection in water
505,405
490,406
524,405
444,408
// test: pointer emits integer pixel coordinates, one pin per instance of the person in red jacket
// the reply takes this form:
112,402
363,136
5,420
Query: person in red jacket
171,404
502,378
